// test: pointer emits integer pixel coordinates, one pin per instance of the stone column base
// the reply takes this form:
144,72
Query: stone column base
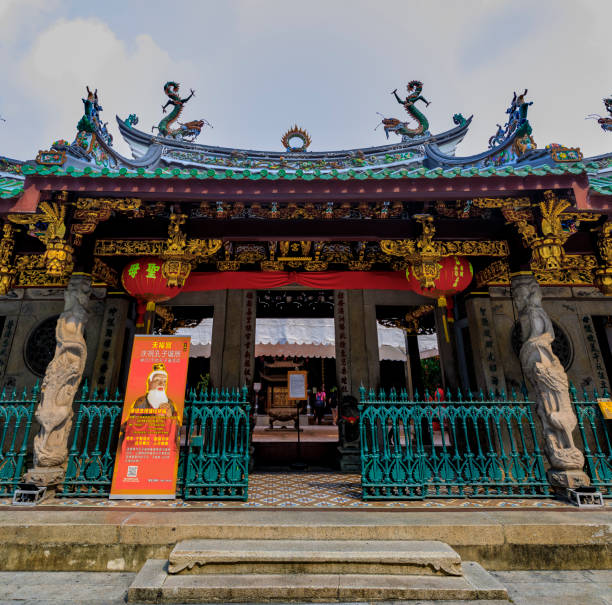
563,480
48,476
350,459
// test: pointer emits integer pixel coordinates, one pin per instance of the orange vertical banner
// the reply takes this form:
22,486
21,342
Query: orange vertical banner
149,439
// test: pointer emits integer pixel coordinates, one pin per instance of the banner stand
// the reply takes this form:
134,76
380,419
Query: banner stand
147,457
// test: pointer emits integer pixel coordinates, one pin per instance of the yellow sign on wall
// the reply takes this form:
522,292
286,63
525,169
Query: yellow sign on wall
605,405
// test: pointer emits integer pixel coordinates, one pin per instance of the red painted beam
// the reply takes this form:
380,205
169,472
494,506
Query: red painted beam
354,190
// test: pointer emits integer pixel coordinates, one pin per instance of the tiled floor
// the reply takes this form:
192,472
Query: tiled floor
310,489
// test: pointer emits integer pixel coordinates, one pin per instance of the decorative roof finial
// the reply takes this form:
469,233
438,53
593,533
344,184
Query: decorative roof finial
296,133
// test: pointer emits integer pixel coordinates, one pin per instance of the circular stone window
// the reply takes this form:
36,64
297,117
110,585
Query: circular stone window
561,345
40,347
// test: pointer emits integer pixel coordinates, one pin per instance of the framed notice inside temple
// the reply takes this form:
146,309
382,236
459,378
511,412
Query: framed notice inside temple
297,383
149,438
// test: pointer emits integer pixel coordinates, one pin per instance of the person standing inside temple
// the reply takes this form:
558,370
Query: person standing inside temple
333,404
320,403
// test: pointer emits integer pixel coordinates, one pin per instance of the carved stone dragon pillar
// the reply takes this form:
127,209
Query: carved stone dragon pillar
60,384
549,382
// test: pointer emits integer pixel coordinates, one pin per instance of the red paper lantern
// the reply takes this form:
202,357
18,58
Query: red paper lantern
455,276
142,278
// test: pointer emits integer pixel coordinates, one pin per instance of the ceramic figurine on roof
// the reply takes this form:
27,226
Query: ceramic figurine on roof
171,149
414,88
92,144
517,125
511,145
187,131
605,123
90,123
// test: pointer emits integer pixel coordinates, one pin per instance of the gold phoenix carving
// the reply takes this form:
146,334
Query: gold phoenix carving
549,262
48,226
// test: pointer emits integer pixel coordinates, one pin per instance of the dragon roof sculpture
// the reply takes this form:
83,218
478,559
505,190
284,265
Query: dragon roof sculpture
172,151
603,121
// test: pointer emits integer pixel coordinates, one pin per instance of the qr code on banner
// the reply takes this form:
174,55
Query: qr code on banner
132,471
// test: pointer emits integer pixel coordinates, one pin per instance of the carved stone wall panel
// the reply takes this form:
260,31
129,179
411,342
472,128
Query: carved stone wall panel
356,340
10,311
489,364
233,339
31,314
93,333
586,309
108,356
564,314
568,312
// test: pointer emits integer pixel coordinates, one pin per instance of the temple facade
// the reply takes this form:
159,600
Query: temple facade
506,256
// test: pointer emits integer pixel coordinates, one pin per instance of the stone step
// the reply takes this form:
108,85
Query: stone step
391,557
154,585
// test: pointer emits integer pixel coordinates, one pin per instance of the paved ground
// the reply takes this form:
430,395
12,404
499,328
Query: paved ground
590,587
288,489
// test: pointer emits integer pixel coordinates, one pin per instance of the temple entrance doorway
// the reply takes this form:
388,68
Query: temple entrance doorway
195,321
295,333
415,364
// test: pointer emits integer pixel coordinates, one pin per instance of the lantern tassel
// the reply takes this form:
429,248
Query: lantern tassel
150,314
442,304
140,313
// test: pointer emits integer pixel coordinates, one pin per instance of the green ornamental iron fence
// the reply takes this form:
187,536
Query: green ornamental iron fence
213,459
472,447
595,434
91,457
16,414
410,449
216,463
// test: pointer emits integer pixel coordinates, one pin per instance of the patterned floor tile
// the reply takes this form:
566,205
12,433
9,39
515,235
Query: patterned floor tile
311,489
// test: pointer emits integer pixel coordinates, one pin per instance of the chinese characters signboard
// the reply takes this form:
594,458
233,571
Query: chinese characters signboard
297,385
149,440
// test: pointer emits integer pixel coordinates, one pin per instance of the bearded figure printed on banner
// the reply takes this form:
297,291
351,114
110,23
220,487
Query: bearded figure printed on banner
136,424
156,396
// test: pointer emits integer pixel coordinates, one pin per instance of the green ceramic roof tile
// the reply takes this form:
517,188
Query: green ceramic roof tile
255,175
601,184
10,187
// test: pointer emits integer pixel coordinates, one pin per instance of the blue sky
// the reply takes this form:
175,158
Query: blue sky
259,66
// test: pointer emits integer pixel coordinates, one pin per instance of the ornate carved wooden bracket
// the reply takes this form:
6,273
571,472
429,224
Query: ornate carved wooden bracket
48,225
544,228
412,322
91,211
101,272
603,275
7,267
167,319
424,253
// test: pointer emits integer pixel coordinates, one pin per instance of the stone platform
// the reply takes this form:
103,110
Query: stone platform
103,538
311,570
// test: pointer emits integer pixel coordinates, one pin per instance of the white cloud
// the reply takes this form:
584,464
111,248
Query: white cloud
259,67
127,76
19,17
